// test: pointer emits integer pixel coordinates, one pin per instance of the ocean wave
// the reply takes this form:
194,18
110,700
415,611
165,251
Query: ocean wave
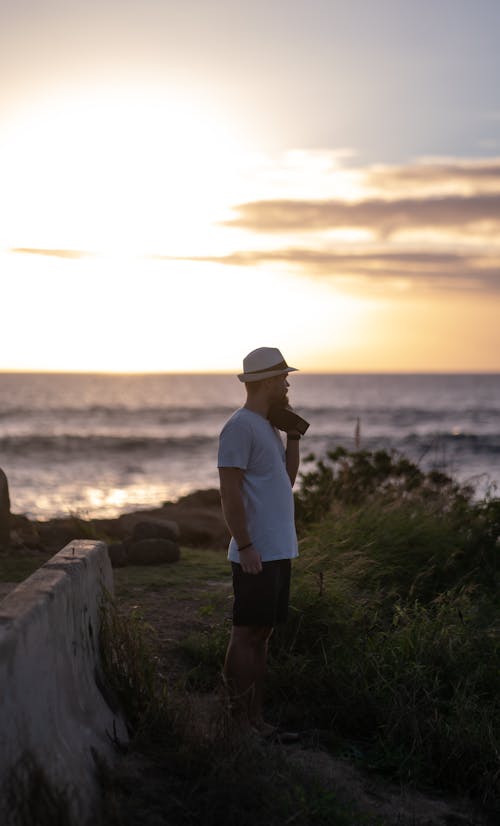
415,445
88,446
173,411
401,416
74,443
472,442
119,412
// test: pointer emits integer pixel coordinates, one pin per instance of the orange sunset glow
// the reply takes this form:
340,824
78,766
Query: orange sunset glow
156,196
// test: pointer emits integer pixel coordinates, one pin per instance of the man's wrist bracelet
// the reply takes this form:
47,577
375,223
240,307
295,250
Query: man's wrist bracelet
244,547
294,436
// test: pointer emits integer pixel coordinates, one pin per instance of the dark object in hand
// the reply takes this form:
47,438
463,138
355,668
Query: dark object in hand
284,418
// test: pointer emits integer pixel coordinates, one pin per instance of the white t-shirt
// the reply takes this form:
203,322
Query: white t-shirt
250,442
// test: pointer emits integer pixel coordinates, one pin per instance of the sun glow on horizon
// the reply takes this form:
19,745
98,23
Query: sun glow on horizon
162,241
101,183
124,315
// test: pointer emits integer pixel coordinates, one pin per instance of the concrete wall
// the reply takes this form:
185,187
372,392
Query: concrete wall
52,713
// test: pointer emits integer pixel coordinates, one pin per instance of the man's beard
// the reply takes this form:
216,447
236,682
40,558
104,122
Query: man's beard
281,398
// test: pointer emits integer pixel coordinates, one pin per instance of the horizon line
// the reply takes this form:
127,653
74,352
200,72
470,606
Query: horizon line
366,372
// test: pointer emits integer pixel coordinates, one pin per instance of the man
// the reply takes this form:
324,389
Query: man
256,478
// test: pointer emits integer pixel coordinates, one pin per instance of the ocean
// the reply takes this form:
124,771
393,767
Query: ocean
101,445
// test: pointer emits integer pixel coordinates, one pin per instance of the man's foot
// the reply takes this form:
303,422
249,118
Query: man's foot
266,730
269,732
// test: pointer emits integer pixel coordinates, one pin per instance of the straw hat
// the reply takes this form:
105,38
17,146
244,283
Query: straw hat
264,363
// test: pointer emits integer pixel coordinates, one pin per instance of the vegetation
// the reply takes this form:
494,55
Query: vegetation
394,632
15,568
191,571
392,644
195,770
390,656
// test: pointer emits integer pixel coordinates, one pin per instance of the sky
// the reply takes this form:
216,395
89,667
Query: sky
181,182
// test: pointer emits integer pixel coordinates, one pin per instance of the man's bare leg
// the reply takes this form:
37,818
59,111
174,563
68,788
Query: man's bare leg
256,707
245,670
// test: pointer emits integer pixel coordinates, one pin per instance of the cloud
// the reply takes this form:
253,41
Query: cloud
433,223
441,175
447,208
434,268
381,216
50,253
448,194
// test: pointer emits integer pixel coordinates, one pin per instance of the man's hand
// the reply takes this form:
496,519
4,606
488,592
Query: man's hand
231,479
292,455
250,561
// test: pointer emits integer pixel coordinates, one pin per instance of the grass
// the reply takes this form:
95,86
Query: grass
393,639
193,570
193,771
391,652
130,665
15,568
394,634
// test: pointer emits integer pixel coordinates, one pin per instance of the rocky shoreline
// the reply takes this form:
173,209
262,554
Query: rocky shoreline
193,521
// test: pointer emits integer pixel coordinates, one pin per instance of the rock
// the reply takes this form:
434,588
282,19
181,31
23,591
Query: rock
4,511
152,551
202,528
197,515
156,529
209,498
118,554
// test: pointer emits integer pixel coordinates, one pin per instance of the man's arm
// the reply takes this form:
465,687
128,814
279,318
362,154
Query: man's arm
231,480
292,455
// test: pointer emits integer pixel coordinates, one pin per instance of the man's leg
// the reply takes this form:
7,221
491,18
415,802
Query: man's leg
245,670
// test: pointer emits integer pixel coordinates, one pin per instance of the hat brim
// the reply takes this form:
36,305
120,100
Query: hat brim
267,374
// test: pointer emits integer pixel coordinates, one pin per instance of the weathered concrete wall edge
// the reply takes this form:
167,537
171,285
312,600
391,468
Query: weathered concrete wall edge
52,711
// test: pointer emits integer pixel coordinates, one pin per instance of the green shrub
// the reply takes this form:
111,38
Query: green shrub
393,635
352,477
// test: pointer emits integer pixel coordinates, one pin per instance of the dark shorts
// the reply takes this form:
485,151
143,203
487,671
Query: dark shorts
262,599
